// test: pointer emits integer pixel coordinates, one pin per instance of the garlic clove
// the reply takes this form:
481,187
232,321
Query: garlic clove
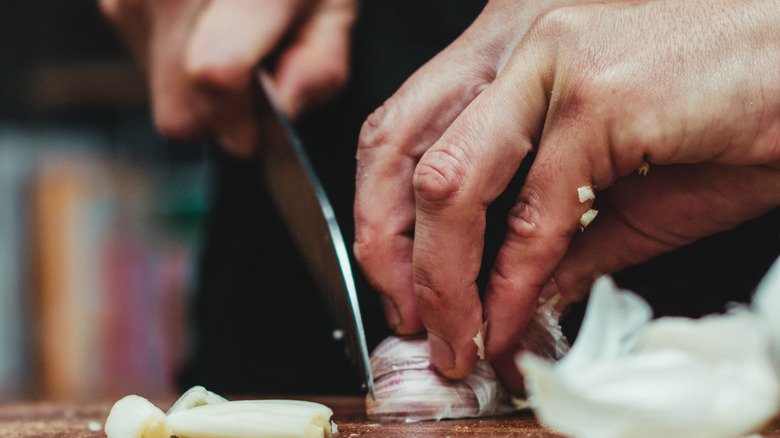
254,418
136,417
194,397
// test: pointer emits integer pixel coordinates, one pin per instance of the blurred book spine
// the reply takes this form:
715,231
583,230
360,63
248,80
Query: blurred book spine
105,302
15,165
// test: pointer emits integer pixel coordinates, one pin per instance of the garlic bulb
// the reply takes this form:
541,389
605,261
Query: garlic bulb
408,388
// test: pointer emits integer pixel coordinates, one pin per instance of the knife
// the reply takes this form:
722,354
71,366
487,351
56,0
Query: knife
308,213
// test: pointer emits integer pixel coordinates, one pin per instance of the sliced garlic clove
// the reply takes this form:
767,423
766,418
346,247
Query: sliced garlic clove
136,417
194,397
254,418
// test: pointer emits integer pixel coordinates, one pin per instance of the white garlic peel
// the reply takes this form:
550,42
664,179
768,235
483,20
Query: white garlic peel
136,417
200,413
628,376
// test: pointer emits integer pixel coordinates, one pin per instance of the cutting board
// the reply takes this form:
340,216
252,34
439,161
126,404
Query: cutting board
71,420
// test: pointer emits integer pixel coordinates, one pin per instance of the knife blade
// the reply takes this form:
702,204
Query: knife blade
304,205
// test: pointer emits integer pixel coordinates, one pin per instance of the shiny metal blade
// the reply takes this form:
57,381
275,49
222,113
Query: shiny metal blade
308,213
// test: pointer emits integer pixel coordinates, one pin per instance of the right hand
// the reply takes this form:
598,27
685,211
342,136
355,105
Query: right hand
201,58
690,87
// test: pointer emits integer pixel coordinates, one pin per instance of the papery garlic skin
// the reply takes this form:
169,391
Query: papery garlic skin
136,417
408,388
254,418
673,377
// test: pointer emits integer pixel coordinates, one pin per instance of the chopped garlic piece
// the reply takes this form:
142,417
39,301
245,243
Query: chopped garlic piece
643,168
585,193
479,339
254,418
587,218
194,397
136,417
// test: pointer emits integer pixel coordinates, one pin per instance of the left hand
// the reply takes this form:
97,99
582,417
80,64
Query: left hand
201,58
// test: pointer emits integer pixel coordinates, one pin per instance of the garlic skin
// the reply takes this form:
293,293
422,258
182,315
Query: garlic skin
136,417
408,388
628,376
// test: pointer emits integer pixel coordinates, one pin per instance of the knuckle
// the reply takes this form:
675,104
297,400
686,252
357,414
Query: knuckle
223,76
441,174
555,22
373,132
109,9
428,297
176,123
525,220
364,248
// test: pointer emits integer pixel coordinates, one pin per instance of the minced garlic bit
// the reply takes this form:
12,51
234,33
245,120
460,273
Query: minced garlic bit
587,218
585,193
643,168
479,339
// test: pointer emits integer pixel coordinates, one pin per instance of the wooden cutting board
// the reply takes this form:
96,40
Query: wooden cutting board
70,420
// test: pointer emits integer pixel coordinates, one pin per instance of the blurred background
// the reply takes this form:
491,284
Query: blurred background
100,218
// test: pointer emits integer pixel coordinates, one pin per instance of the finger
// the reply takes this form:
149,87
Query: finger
455,181
315,66
634,223
131,19
229,41
174,103
391,141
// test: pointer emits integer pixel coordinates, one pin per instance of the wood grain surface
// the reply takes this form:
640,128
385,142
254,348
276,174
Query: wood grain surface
71,420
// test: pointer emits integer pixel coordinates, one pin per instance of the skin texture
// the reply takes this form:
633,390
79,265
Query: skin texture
591,92
201,57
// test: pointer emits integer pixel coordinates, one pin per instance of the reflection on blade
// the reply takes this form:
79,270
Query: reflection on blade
308,213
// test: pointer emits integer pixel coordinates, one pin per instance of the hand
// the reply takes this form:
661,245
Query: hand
201,57
593,91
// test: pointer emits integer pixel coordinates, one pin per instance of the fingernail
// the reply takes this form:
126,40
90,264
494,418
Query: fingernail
392,315
442,356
